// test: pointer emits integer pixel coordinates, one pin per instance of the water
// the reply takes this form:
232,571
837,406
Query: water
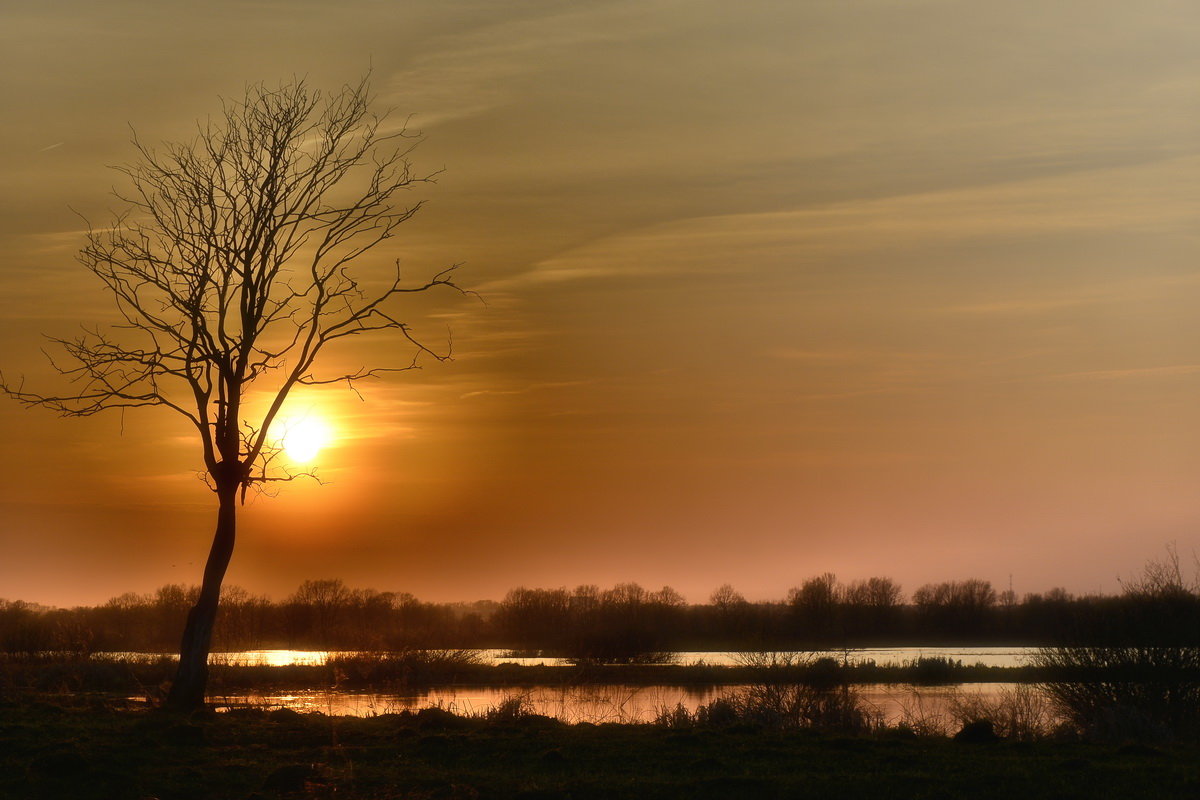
988,656
617,702
883,656
603,703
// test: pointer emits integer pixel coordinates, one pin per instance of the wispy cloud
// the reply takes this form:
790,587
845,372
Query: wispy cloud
848,355
528,389
1132,373
1158,197
478,70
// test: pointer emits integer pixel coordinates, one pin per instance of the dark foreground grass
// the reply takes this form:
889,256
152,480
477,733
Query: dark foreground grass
102,750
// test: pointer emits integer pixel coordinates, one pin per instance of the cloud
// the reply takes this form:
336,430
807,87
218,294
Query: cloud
1133,373
527,389
1155,198
500,62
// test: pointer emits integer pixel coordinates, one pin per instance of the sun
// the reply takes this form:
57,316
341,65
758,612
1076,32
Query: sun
302,437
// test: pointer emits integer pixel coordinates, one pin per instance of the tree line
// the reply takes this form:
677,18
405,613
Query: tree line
623,623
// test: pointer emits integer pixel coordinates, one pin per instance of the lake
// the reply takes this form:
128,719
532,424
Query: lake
598,704
625,703
988,656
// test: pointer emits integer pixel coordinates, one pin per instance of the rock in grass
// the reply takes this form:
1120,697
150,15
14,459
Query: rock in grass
285,715
63,761
184,734
541,794
291,778
553,758
438,719
980,731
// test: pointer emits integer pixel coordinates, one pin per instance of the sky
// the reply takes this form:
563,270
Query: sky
772,289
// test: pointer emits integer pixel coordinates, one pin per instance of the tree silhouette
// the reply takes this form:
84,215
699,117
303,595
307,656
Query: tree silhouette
231,266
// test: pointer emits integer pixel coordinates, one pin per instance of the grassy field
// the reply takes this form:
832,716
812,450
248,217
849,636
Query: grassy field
104,749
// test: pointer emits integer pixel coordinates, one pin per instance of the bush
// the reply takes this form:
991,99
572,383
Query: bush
935,670
793,706
1021,713
1134,673
1114,692
675,718
410,667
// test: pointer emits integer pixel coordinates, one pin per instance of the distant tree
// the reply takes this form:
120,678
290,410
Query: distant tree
625,623
232,266
667,597
955,607
535,617
170,608
318,607
728,618
871,607
815,606
245,619
1059,595
877,593
585,598
21,630
625,595
726,598
1163,578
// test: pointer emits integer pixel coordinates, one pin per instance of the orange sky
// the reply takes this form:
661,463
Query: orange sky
899,288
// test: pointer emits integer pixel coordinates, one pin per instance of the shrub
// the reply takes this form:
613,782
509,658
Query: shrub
1114,692
934,670
793,706
1021,713
675,718
512,709
402,666
1134,673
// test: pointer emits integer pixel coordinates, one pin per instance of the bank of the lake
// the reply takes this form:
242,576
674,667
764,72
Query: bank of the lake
104,750
929,707
988,656
392,672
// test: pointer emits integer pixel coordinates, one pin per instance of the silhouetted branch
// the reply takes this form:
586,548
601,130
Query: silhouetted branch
233,261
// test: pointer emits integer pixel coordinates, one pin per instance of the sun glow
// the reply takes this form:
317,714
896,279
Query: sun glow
302,437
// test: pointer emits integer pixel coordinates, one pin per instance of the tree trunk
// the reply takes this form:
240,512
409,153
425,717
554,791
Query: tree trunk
191,678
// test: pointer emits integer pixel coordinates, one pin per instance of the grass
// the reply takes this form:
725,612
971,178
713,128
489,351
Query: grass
103,750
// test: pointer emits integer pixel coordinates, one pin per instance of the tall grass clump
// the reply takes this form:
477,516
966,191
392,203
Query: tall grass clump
802,706
1021,713
781,707
934,670
403,667
792,692
513,708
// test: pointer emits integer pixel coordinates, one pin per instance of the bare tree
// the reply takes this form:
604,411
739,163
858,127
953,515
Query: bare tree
231,266
726,598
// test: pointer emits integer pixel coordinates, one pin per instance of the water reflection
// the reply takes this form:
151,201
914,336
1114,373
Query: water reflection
595,704
988,656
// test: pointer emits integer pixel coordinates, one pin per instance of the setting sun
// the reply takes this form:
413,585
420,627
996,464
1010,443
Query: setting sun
303,437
